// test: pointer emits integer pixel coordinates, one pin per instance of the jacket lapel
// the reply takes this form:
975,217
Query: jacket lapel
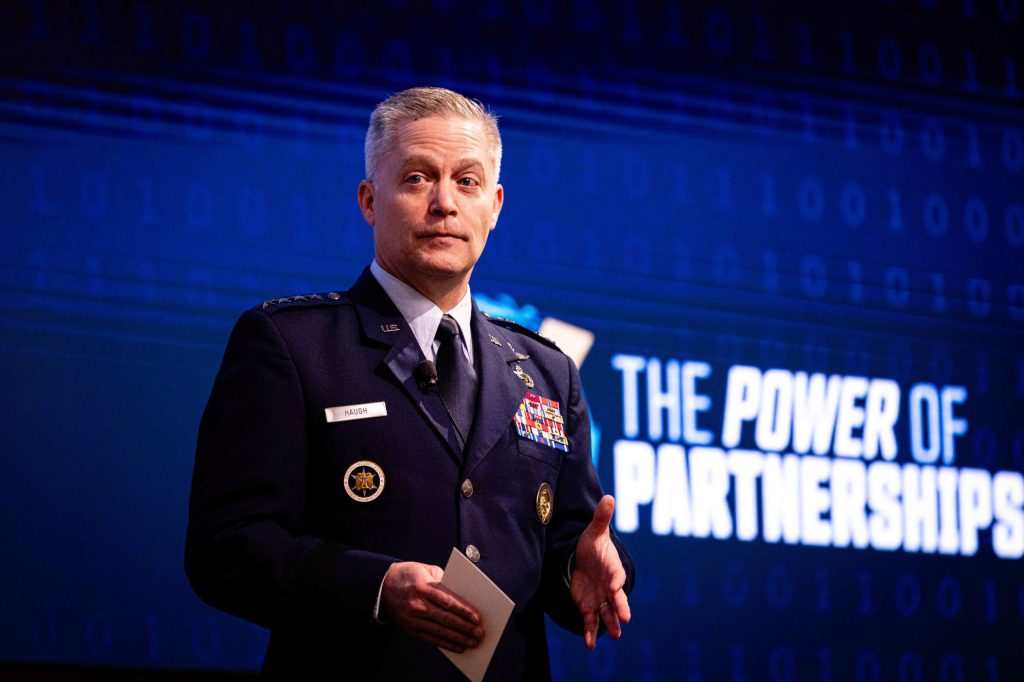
382,324
501,392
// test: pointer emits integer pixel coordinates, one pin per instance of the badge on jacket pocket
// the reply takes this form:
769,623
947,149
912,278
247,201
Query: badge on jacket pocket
539,419
545,503
364,481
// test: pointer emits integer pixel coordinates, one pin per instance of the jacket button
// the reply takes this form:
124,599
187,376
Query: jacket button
467,488
472,553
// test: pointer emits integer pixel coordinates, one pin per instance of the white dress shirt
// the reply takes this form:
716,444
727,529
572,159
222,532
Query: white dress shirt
423,316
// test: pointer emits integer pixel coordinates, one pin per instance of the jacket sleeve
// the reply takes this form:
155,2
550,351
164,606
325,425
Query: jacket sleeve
248,548
578,492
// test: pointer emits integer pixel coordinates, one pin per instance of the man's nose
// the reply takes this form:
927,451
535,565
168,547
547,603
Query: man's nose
442,202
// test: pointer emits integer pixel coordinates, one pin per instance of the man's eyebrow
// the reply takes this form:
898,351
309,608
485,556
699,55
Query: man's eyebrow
469,161
425,161
475,163
418,160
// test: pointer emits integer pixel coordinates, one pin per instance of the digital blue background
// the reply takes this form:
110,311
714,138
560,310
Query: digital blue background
831,187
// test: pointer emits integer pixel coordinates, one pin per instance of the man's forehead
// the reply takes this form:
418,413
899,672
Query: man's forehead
424,139
437,128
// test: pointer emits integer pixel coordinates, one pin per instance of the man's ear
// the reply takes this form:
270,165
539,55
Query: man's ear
499,200
366,203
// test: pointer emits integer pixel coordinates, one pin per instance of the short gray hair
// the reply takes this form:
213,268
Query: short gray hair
424,102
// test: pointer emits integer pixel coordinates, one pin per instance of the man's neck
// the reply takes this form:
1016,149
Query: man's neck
444,292
423,315
444,298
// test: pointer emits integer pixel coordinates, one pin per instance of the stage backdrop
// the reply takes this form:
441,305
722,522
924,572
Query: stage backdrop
794,232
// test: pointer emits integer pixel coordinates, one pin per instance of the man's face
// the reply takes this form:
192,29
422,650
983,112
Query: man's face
434,200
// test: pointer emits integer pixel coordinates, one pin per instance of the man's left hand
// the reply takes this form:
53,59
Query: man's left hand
596,584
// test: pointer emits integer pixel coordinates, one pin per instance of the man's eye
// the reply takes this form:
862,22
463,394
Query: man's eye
414,179
468,182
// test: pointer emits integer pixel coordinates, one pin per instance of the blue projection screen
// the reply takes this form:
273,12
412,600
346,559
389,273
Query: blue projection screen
795,233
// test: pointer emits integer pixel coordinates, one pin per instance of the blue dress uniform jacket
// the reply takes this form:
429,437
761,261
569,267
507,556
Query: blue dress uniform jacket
274,537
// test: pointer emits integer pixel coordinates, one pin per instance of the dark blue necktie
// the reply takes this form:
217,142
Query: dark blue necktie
456,380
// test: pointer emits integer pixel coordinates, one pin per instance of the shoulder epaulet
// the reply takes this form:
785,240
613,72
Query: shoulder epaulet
516,327
303,300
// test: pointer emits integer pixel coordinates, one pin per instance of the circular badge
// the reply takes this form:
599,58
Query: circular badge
545,503
364,481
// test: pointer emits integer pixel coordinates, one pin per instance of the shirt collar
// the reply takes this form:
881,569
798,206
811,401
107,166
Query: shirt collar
422,315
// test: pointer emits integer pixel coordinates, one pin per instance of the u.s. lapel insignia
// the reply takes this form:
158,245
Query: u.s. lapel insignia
364,481
494,340
527,379
389,328
545,503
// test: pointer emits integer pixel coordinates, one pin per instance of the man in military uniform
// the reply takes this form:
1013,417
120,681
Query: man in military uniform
352,439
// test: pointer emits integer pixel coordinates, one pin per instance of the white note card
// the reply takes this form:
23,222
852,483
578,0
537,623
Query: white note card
462,577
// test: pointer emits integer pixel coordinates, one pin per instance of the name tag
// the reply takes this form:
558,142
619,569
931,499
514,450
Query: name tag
345,413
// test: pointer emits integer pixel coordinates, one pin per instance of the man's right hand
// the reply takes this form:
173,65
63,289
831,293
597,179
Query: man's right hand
414,599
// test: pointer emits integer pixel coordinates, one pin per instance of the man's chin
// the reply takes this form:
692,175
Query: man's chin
442,268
